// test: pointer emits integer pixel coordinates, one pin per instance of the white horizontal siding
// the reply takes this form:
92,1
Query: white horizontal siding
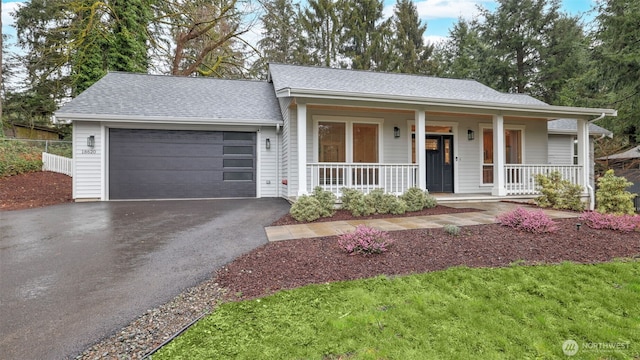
560,149
87,174
268,163
285,144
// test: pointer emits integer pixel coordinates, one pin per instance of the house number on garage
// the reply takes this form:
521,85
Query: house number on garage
89,151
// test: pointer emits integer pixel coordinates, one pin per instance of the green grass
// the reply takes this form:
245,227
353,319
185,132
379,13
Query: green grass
519,312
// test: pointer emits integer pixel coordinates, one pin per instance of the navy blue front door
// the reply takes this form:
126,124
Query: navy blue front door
439,149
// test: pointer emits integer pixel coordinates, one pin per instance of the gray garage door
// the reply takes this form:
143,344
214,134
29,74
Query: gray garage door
163,164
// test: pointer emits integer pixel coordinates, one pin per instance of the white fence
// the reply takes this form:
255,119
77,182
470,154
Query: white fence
392,178
55,163
520,179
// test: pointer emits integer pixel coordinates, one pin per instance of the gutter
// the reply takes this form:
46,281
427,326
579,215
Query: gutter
167,120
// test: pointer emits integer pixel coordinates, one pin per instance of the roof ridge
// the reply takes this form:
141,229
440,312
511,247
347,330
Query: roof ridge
182,77
381,72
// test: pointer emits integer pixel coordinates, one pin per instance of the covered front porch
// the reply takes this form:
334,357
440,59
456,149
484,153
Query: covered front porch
397,178
463,154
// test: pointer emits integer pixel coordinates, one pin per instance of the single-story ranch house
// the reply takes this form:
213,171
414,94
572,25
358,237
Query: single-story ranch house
141,136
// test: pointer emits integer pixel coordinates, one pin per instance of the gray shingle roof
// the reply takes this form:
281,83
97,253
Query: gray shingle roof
380,83
196,99
571,126
633,153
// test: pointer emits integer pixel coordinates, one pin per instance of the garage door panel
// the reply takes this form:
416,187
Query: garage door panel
168,150
163,164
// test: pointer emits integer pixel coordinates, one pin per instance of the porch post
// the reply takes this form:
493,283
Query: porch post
583,152
302,148
421,157
498,157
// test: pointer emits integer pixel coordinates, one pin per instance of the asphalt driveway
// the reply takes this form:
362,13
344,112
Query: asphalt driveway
71,274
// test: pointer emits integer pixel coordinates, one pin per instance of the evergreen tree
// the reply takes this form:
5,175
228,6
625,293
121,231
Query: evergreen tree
363,32
461,56
564,55
129,51
323,30
618,55
281,38
515,32
411,55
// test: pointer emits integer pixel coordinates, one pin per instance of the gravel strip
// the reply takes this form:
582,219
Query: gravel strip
157,325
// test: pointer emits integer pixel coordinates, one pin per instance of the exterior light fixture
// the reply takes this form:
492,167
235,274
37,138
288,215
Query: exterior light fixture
91,141
268,144
471,135
396,132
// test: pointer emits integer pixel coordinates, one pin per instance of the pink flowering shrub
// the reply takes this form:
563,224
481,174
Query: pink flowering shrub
624,223
365,240
534,221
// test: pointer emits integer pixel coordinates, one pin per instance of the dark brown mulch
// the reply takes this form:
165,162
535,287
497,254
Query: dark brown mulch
345,215
294,263
34,190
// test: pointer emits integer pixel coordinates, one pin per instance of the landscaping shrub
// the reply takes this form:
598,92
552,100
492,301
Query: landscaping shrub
612,197
452,230
558,193
416,199
327,201
395,205
365,240
18,158
624,222
306,208
375,199
535,221
385,203
356,202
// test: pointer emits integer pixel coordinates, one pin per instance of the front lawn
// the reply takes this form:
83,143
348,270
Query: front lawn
459,313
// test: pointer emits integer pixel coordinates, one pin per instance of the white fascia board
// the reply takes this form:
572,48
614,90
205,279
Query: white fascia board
168,120
541,110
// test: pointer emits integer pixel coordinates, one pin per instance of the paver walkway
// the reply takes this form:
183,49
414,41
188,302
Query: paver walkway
486,214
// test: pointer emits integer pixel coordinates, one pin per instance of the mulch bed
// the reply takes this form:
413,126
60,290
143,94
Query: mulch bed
346,215
294,263
34,190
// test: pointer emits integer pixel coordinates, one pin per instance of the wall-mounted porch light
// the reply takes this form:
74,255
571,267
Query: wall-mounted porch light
91,141
470,135
396,132
267,144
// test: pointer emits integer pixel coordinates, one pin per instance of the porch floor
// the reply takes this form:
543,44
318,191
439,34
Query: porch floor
486,214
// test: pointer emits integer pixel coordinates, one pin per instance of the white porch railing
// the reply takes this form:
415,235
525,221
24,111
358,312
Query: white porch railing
392,178
55,163
520,178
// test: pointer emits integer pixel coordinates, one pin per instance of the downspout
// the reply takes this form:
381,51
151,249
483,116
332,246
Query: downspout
592,199
596,119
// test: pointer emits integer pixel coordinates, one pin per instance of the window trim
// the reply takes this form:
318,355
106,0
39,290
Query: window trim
481,128
348,121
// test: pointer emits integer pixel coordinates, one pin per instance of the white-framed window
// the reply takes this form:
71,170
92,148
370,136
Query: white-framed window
574,150
514,149
350,140
347,140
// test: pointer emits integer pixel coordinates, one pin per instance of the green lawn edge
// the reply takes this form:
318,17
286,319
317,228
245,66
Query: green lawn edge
517,312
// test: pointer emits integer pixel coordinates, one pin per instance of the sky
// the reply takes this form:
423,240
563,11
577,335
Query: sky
440,15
